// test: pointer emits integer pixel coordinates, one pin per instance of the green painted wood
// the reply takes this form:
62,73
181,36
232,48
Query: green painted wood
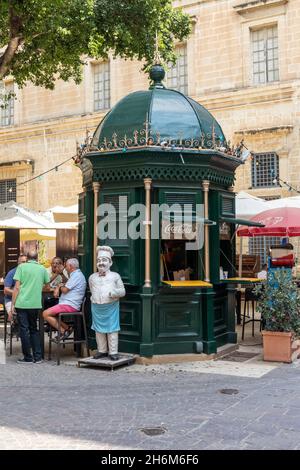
127,265
146,347
134,165
214,236
160,320
167,112
85,232
209,342
178,315
231,303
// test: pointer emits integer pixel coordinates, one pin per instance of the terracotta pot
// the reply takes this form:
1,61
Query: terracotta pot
277,346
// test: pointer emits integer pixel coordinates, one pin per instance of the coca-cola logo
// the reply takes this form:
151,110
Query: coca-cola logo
178,229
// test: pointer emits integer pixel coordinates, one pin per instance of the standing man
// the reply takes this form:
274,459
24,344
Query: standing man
9,284
30,279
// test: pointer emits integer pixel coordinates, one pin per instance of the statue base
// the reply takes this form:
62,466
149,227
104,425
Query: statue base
106,363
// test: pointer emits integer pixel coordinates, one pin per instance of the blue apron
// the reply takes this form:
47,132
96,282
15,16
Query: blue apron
106,317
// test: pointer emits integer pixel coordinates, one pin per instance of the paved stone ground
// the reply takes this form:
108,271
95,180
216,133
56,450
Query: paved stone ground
49,407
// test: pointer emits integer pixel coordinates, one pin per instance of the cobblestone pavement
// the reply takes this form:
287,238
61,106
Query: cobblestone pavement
48,407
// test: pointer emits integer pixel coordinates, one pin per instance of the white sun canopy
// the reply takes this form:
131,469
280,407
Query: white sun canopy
247,205
12,215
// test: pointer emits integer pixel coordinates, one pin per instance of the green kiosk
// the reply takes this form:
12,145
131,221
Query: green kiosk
161,147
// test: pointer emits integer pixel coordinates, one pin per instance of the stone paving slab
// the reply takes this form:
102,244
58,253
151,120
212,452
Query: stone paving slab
255,370
47,406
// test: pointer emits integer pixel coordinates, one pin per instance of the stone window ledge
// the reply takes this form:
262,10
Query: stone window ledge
253,5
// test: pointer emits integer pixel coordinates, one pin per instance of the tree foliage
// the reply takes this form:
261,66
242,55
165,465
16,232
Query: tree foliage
279,303
45,40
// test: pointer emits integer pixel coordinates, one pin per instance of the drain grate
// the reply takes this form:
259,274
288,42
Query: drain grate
229,391
238,356
153,431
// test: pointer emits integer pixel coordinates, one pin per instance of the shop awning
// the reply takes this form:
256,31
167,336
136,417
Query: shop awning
248,223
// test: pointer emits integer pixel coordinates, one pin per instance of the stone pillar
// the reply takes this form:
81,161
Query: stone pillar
96,188
205,185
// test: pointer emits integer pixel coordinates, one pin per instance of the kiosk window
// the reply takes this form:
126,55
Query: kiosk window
181,236
178,261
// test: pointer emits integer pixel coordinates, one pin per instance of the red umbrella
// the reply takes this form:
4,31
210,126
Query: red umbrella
281,222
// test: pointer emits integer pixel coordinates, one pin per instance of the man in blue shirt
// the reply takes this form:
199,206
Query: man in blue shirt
71,297
9,284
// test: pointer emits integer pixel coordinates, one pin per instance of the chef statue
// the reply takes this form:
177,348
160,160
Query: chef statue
106,288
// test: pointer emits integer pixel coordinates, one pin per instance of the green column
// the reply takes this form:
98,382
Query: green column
231,303
146,346
209,342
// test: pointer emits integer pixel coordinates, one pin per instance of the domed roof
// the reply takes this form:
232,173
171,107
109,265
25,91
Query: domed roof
161,115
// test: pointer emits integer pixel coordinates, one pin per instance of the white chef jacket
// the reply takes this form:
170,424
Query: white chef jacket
106,289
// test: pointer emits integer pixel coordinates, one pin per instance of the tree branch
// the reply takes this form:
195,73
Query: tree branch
15,27
8,55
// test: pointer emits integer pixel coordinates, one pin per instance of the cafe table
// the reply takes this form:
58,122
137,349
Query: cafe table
245,282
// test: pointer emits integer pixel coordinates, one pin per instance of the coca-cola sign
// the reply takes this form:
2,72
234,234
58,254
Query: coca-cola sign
178,230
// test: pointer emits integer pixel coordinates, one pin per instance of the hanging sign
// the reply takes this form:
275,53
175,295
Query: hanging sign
224,231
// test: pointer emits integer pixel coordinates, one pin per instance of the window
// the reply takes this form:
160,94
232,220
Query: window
8,191
7,104
265,55
265,170
261,245
177,75
101,86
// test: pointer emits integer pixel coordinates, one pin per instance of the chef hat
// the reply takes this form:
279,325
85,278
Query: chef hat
106,251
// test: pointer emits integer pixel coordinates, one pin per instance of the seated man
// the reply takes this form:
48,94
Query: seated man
55,272
70,295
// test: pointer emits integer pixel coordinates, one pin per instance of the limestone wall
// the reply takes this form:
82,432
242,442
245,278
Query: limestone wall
48,123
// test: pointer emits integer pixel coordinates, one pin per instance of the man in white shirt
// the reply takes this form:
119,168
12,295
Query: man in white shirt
70,295
263,274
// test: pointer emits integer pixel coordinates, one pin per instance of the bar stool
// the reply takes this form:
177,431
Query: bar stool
59,342
250,299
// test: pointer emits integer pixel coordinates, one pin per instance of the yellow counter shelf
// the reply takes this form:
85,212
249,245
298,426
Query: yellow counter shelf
242,280
187,283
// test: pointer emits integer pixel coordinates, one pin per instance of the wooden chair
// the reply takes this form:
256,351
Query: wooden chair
250,265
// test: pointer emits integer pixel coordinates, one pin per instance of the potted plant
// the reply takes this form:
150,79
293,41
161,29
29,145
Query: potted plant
279,306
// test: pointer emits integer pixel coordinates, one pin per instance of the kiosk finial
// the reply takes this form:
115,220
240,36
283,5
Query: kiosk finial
157,72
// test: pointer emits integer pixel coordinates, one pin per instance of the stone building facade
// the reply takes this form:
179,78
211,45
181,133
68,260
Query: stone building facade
242,62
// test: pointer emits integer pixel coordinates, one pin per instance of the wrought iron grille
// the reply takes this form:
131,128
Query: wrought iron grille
265,55
260,246
8,191
265,170
101,86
